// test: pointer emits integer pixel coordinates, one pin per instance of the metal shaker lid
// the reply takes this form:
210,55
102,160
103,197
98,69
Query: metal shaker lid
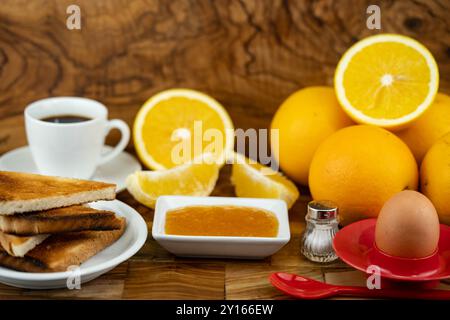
322,210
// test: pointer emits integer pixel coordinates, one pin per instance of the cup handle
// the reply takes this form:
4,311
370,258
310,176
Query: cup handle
125,131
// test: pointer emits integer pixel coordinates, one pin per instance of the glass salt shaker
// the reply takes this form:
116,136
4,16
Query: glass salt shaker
321,226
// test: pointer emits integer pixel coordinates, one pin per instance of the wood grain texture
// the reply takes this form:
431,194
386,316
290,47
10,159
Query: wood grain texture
249,54
148,280
250,282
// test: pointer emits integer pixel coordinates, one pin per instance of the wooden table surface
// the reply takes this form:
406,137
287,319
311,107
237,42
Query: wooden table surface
248,54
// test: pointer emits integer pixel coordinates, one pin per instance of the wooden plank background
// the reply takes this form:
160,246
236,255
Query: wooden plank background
248,54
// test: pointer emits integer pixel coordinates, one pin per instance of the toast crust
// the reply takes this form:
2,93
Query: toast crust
26,192
58,252
67,219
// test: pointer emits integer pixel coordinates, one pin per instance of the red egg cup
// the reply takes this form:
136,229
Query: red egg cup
355,245
404,267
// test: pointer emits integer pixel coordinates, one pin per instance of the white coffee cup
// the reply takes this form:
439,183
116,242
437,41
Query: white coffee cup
71,149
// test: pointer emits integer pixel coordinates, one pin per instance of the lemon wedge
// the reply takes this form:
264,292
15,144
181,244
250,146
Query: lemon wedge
386,80
197,178
253,180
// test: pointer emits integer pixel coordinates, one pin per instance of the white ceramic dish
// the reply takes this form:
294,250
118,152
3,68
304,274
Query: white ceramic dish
126,246
220,247
114,171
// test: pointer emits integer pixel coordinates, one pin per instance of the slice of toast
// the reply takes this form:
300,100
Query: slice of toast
67,219
19,246
26,192
60,251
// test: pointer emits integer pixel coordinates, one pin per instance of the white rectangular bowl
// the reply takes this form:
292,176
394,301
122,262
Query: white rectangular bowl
220,247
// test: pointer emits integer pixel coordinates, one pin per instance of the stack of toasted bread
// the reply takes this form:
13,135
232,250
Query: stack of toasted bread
46,224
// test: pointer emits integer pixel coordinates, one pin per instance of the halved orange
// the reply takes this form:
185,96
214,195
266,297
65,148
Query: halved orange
177,125
386,80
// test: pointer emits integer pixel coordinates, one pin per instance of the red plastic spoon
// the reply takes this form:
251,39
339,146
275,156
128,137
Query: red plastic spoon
305,288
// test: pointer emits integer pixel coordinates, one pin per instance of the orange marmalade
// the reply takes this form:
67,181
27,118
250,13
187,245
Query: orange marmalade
231,221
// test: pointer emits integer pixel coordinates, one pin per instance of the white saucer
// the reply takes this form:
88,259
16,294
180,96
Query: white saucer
125,247
115,171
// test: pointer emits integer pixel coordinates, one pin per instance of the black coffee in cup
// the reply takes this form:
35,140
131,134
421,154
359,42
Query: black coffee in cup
65,118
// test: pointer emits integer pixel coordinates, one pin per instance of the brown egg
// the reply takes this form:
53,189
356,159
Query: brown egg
407,226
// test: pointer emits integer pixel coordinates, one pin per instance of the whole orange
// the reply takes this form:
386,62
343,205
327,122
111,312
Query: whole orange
435,177
360,168
304,120
431,126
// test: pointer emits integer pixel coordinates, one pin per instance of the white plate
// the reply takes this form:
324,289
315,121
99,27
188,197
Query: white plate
125,247
115,171
221,247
